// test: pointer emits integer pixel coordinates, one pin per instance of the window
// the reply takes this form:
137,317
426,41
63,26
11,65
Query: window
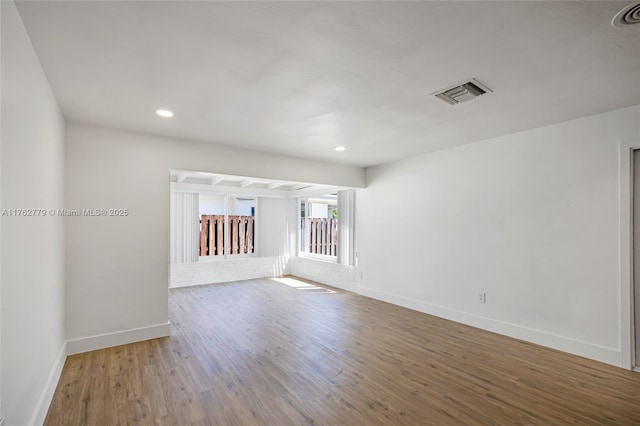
319,225
227,225
327,227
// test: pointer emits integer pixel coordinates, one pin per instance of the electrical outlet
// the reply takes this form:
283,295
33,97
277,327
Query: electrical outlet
482,297
361,275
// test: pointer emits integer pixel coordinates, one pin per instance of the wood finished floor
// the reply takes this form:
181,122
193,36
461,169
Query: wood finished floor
266,353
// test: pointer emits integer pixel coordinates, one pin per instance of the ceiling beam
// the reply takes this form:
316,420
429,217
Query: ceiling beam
231,190
299,187
181,177
247,182
274,185
311,190
216,180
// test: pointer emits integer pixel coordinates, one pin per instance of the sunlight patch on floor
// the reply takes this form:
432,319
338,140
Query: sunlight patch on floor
301,285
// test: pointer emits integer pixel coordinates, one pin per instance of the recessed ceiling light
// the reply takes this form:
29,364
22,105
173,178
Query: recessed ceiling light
164,113
340,148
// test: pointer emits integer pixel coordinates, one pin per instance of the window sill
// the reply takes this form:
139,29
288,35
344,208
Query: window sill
319,257
204,259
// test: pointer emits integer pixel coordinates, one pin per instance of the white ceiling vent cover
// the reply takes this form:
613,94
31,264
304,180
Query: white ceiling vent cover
628,16
462,92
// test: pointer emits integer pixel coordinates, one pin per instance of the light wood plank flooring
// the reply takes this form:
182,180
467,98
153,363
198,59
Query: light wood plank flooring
272,353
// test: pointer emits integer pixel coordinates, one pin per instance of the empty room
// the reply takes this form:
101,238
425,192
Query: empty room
319,212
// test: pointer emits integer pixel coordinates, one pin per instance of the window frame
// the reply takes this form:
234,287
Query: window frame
227,255
303,234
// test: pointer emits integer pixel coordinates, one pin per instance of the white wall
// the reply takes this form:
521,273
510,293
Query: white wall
118,267
330,273
272,251
211,204
272,227
243,207
319,210
531,218
214,204
32,278
222,271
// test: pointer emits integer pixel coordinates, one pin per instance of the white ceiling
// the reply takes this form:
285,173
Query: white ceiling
300,78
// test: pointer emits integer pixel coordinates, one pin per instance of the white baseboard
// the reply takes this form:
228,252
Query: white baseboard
42,407
108,340
83,345
599,353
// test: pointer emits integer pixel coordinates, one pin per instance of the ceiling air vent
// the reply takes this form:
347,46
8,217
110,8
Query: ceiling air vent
462,92
628,16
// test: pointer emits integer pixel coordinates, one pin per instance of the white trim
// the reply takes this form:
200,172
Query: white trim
626,254
184,227
42,407
300,250
565,344
227,231
223,257
319,257
227,190
347,227
107,340
313,189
